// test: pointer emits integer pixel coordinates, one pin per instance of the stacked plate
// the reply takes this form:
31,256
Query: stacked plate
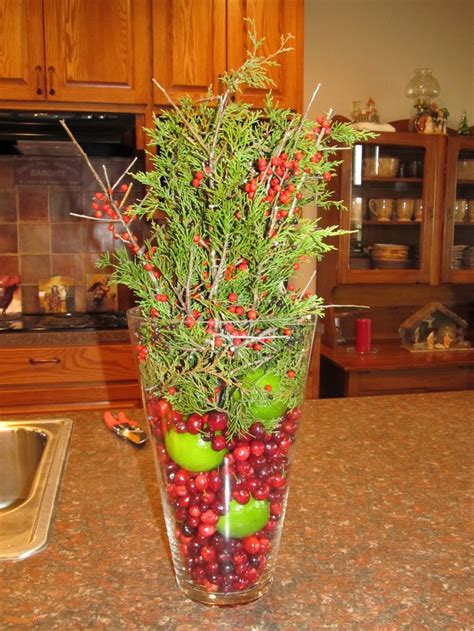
458,256
358,259
389,256
468,258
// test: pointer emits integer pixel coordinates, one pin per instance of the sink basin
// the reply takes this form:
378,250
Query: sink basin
32,456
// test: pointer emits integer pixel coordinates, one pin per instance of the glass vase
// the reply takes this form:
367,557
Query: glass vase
223,469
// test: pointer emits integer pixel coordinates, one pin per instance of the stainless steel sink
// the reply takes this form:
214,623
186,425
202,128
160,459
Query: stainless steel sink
32,460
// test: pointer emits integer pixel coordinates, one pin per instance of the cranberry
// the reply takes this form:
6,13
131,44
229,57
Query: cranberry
209,517
218,443
201,482
241,452
206,530
257,430
194,424
262,492
242,496
217,421
257,448
251,545
277,480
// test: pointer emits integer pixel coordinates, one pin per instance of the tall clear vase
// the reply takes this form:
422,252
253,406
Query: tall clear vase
223,469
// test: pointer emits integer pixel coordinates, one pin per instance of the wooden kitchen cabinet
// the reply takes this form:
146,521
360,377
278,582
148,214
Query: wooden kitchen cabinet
273,18
195,41
75,51
57,377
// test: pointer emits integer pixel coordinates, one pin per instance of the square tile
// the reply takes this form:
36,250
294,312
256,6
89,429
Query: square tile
7,179
8,238
9,265
33,267
8,206
89,262
29,298
66,237
68,265
65,201
97,237
34,238
32,205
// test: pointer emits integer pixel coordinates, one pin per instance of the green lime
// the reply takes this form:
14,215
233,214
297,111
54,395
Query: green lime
251,377
267,405
191,452
243,520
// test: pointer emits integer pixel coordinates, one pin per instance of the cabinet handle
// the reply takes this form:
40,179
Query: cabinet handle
53,360
39,80
51,71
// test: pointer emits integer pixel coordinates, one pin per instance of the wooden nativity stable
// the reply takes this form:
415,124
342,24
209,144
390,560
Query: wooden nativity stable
434,327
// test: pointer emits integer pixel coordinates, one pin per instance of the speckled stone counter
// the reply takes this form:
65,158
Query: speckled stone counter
63,338
376,534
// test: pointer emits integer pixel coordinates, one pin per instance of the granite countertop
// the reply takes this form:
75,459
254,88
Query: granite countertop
79,337
376,534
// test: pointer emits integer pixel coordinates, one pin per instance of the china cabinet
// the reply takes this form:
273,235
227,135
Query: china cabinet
410,213
390,186
458,241
409,200
74,51
195,42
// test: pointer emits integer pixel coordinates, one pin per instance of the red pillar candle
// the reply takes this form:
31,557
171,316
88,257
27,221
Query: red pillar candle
363,334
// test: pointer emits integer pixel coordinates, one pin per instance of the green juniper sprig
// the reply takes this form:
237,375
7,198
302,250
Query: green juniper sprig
231,182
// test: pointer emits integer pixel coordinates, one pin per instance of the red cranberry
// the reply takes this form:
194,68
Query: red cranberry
241,452
242,496
251,545
206,530
194,424
209,517
262,492
257,448
217,421
257,430
218,442
201,481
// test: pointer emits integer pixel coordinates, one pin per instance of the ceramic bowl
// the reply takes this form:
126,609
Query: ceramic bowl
466,169
380,167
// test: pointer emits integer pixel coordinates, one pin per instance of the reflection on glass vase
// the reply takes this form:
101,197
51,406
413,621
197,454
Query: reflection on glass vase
223,418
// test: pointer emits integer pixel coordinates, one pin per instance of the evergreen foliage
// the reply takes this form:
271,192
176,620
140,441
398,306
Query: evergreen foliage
231,182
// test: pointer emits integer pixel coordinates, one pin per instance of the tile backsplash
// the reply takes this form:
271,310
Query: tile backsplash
39,237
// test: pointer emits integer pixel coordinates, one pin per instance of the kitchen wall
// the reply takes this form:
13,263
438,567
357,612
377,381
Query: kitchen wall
39,237
369,48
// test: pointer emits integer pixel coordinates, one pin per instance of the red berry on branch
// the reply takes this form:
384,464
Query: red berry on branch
291,374
232,297
251,315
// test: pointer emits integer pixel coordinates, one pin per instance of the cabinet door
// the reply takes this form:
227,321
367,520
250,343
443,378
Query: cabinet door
273,18
189,47
21,50
458,242
391,190
97,51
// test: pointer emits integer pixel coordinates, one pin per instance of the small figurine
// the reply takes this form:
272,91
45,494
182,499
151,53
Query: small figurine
463,127
430,119
368,114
